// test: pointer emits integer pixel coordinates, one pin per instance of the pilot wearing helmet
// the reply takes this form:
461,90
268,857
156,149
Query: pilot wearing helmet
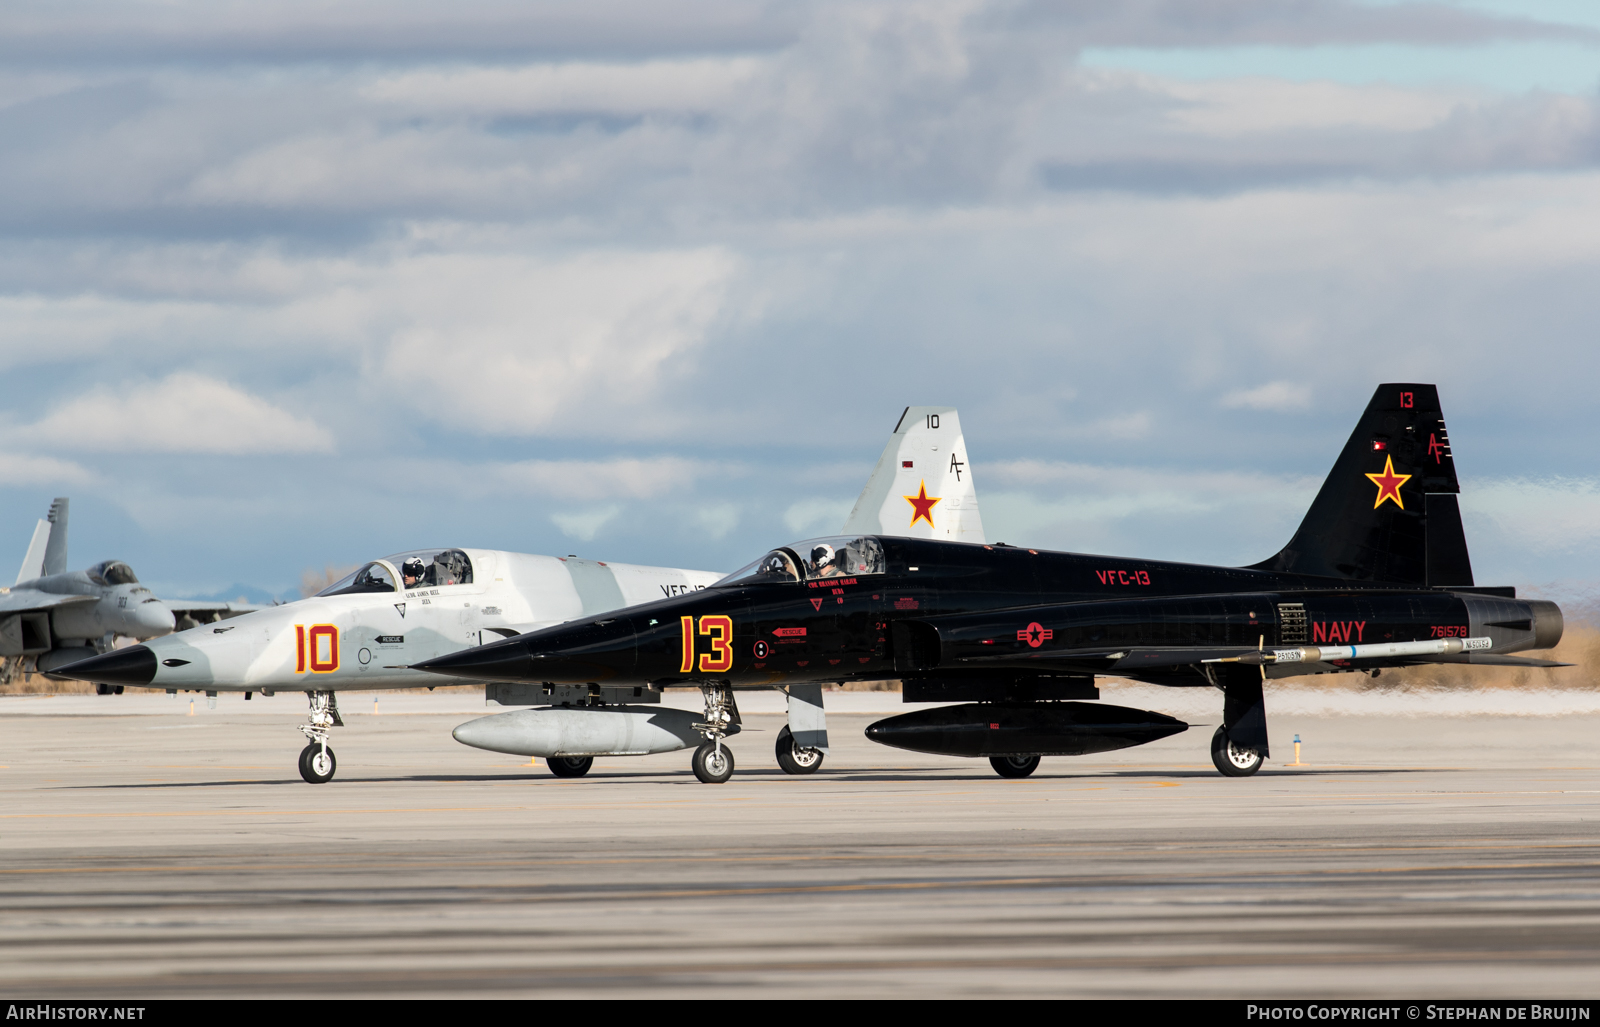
413,571
823,562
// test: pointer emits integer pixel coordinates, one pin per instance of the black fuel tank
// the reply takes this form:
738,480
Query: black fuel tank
1023,729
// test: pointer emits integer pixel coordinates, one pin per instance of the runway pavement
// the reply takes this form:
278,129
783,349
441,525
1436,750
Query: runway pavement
148,853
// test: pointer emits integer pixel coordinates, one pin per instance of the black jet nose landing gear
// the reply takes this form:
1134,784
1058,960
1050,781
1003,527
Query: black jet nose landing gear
317,762
1233,759
712,763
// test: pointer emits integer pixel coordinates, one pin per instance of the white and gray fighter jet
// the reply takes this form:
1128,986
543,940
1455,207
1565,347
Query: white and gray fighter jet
365,631
52,617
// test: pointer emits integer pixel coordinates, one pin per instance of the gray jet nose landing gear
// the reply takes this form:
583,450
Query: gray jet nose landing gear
317,762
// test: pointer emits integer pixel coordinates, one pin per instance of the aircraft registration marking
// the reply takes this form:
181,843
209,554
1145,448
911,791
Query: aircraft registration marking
1123,577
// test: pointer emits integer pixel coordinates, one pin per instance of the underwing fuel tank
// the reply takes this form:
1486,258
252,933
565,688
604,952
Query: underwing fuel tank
1023,729
583,731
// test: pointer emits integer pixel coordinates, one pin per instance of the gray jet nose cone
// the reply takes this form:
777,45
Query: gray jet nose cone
135,665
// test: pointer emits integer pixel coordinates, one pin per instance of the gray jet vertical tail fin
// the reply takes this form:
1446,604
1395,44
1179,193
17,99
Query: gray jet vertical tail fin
33,563
922,486
55,551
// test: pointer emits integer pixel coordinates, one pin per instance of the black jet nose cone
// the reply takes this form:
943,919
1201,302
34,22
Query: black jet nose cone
500,661
135,665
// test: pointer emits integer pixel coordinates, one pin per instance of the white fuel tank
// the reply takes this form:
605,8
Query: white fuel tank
583,731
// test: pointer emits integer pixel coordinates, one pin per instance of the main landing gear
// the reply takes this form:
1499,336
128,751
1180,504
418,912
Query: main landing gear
1014,766
1232,759
795,759
317,762
713,764
570,766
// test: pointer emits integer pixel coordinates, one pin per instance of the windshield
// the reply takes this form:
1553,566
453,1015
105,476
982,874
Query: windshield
374,577
112,572
837,557
430,568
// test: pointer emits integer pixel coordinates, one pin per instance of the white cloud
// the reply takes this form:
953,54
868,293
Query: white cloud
183,413
1229,108
615,88
1559,515
22,469
718,520
518,346
601,479
1278,396
817,516
584,525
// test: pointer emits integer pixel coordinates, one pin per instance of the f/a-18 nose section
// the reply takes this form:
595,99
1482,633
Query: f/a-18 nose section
593,651
135,665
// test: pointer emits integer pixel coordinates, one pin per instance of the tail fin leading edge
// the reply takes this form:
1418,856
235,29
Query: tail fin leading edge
1387,512
922,486
33,563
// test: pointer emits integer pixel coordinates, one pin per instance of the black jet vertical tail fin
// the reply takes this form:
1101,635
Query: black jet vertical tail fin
1371,520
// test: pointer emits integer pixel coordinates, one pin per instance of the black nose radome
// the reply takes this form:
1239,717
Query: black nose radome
501,661
135,665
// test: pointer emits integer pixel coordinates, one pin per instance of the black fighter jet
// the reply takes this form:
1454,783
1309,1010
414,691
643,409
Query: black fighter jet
1377,576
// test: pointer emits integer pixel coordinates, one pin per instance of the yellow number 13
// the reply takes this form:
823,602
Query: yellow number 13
720,658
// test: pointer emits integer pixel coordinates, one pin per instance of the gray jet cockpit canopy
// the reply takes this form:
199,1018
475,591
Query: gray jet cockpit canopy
838,556
438,567
112,572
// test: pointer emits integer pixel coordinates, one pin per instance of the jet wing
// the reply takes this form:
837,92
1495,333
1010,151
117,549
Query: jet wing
21,600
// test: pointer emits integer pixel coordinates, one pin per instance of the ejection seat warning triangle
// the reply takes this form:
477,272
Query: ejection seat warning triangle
401,609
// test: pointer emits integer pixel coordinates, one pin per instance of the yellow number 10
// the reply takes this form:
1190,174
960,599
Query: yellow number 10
720,658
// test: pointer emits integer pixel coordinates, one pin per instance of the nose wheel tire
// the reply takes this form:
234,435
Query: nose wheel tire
794,759
712,765
317,764
570,766
1014,766
1233,760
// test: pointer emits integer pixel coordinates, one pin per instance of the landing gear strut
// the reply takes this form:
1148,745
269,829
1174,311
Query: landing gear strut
317,762
712,763
1232,759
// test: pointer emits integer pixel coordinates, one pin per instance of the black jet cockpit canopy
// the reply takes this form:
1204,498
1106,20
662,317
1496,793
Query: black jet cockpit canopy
420,568
837,556
112,572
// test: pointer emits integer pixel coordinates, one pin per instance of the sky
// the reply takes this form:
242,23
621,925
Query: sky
292,286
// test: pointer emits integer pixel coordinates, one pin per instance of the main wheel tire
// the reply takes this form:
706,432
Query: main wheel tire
570,766
1014,766
317,764
793,759
1233,760
712,765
